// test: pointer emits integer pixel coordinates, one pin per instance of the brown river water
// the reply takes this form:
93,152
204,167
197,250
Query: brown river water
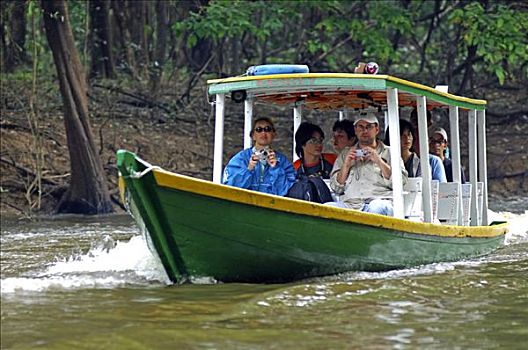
92,283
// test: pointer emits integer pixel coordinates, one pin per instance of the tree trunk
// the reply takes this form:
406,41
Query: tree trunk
137,15
88,191
235,57
124,37
161,45
101,42
13,32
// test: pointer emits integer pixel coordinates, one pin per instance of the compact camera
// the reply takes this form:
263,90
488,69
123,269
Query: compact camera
262,154
361,153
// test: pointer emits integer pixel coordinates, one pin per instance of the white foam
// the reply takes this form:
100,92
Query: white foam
127,263
131,255
518,227
23,284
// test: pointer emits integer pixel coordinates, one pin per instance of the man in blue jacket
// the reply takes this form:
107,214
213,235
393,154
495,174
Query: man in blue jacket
260,168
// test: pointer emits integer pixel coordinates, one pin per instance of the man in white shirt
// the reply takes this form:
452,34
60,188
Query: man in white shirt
361,175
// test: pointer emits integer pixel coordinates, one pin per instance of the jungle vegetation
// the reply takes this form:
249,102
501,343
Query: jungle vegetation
168,48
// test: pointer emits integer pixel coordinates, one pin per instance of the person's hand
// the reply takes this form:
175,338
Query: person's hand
272,158
372,155
351,157
253,161
348,162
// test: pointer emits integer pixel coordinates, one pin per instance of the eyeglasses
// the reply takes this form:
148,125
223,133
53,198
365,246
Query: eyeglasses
437,142
315,141
263,129
367,127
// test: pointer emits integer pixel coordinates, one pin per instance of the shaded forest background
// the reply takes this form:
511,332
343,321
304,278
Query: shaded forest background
146,64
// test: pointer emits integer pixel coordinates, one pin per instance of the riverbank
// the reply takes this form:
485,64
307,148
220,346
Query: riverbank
175,133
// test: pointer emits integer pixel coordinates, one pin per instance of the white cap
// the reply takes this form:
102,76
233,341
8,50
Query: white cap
440,131
369,117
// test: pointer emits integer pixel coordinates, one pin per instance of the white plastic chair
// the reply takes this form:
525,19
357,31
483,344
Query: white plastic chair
480,201
466,203
448,202
412,198
434,199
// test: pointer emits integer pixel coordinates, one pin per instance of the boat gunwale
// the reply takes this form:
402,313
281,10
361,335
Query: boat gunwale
176,181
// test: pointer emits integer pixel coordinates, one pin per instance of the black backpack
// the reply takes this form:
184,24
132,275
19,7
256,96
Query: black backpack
310,188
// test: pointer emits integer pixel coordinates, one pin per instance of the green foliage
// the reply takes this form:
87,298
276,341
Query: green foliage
38,46
386,18
218,20
21,76
78,11
498,33
223,19
231,19
423,40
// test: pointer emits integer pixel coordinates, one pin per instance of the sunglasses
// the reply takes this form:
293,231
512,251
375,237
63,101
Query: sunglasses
263,129
315,141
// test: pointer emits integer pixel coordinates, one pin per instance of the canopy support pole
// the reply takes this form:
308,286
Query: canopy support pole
472,131
482,164
219,138
395,152
248,119
421,105
455,143
455,156
297,117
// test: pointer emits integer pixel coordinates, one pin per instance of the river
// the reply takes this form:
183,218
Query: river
92,283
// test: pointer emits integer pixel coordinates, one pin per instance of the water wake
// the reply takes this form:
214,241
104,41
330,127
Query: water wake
108,265
518,224
111,264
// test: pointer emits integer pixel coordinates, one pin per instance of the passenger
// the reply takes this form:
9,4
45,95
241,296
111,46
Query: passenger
411,159
344,134
312,161
414,122
362,174
260,168
438,147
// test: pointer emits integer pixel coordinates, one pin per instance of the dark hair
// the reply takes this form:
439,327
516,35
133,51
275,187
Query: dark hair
347,126
404,125
261,119
303,134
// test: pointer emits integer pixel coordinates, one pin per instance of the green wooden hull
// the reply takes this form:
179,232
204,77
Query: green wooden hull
201,229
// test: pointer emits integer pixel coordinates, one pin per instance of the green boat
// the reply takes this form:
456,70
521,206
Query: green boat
203,229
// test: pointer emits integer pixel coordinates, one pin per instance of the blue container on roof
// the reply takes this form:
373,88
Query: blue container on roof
266,69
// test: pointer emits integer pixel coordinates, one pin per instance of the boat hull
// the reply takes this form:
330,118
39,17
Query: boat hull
201,229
